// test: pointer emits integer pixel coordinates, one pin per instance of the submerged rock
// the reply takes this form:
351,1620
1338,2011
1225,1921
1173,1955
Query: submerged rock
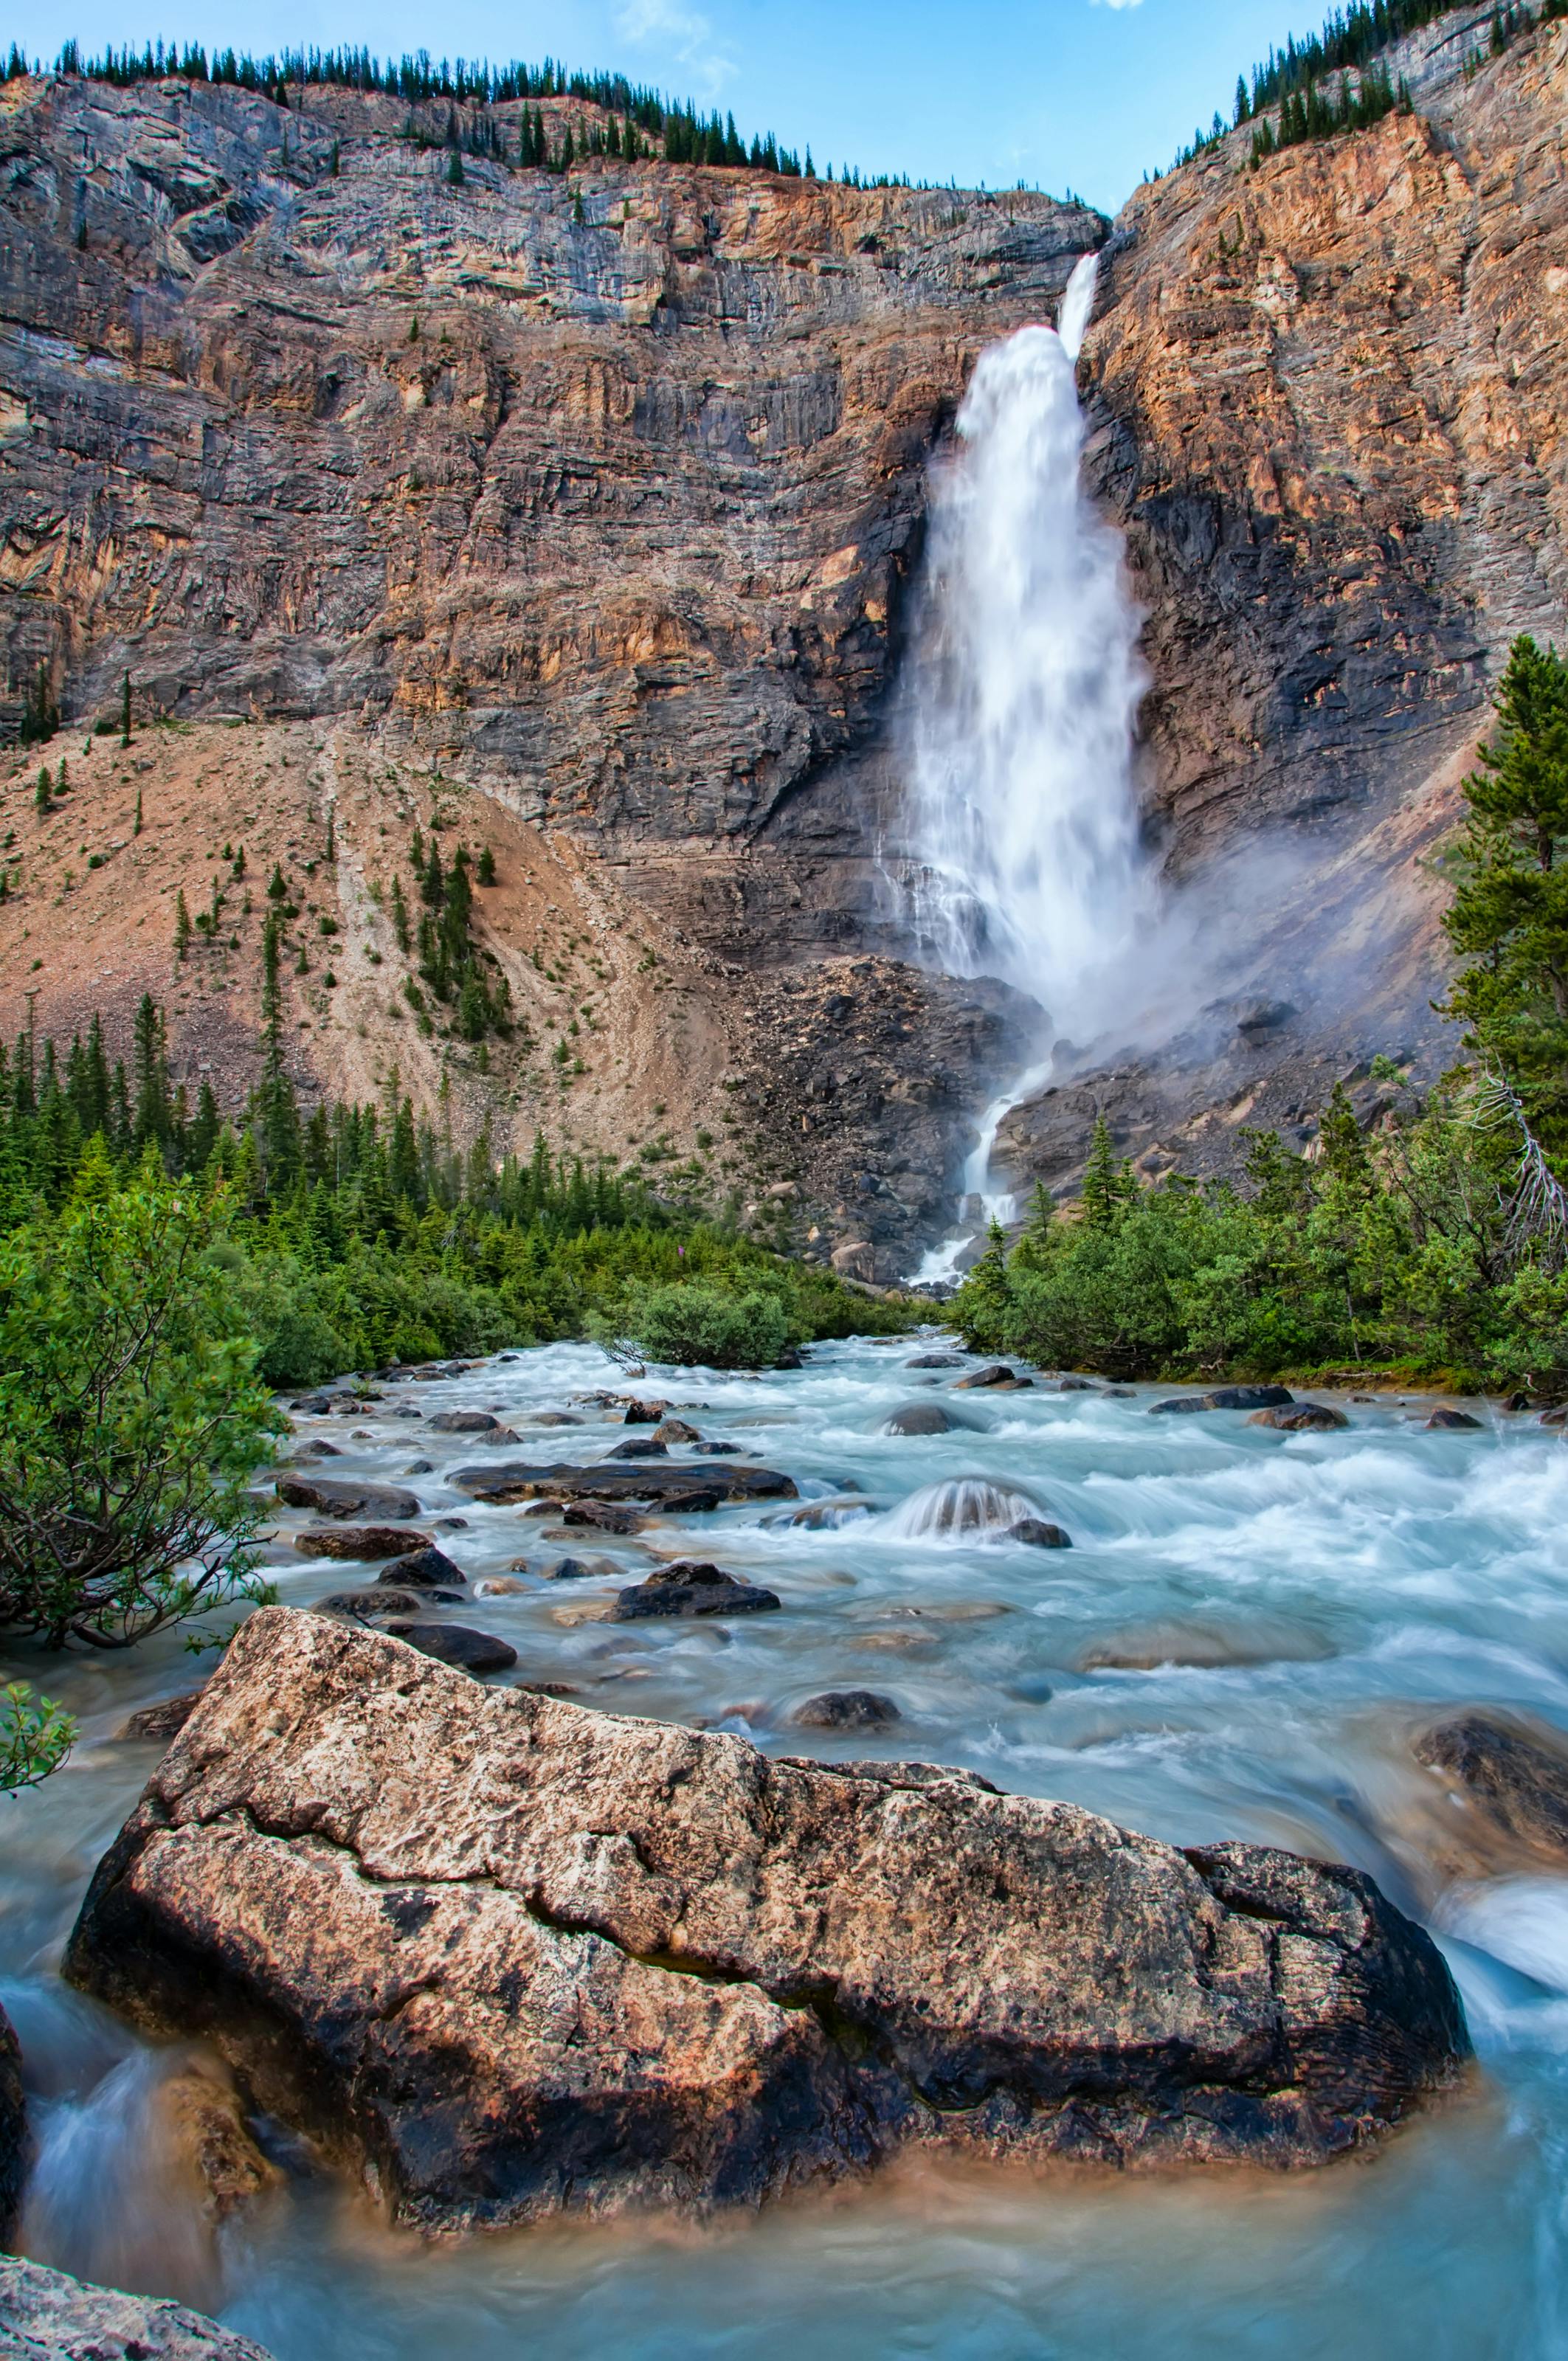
162,1720
1145,1647
1516,1778
13,2132
1225,1397
1300,1418
848,1709
689,1587
48,2312
551,1418
454,1644
512,1957
378,1600
1038,1533
340,1498
360,1541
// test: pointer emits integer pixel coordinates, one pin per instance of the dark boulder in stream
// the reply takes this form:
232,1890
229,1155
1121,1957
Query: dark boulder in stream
506,1957
339,1497
664,1483
688,1587
12,2130
44,2312
366,1542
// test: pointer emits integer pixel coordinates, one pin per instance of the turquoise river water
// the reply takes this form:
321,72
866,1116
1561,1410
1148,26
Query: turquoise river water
1245,1637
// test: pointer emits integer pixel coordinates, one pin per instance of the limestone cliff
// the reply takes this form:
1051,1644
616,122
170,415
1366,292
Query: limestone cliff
583,511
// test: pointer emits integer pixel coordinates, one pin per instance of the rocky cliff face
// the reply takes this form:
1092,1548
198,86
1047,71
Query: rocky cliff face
593,504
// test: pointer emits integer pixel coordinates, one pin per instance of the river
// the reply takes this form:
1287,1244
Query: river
1329,1593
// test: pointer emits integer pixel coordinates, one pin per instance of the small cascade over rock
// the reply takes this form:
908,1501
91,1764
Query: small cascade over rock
968,1508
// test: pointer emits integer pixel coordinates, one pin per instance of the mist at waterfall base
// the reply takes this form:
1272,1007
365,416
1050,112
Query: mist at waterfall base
1240,1642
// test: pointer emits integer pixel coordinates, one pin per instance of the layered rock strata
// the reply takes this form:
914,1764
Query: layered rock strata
506,1957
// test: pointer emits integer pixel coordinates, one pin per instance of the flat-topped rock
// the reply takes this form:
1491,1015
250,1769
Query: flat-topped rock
457,1643
341,1497
365,1541
506,1957
663,1482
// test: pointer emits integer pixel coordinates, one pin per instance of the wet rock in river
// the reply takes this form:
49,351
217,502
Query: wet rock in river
1226,1398
202,2124
936,1361
1300,1418
676,1489
995,1373
462,1422
162,1720
13,2132
1146,1647
397,1903
580,1569
340,1498
1077,1385
921,1418
1517,1776
673,1430
1039,1534
552,1418
499,1585
361,1541
605,1516
455,1644
317,1448
1444,1417
848,1709
641,1414
1556,1416
381,1599
647,1447
425,1569
420,1467
49,2313
690,1586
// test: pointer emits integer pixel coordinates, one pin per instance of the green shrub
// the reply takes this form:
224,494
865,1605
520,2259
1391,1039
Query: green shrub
701,1326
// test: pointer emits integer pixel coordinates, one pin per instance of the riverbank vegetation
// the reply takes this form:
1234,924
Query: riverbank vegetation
1436,1245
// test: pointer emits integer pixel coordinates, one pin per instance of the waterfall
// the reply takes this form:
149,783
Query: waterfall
1024,827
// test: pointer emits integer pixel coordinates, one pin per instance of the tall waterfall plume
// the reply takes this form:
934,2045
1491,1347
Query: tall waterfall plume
1024,824
1024,830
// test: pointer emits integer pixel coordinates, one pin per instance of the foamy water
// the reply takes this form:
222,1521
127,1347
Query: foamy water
1241,1641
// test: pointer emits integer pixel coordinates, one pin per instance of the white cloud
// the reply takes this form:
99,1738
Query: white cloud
689,36
1115,3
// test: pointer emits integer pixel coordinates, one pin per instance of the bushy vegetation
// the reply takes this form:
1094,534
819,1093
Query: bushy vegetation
1438,1245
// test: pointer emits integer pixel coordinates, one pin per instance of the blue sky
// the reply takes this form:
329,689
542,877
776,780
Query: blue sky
1065,94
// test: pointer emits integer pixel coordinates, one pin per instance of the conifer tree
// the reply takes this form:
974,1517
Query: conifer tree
1108,1183
1508,919
41,797
181,926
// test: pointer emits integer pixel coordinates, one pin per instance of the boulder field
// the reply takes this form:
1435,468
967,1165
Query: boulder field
507,1958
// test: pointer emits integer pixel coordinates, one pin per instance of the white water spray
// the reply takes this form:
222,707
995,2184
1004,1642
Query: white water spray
1024,823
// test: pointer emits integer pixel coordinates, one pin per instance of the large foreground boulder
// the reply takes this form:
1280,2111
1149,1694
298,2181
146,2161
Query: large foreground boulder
510,1957
48,2312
